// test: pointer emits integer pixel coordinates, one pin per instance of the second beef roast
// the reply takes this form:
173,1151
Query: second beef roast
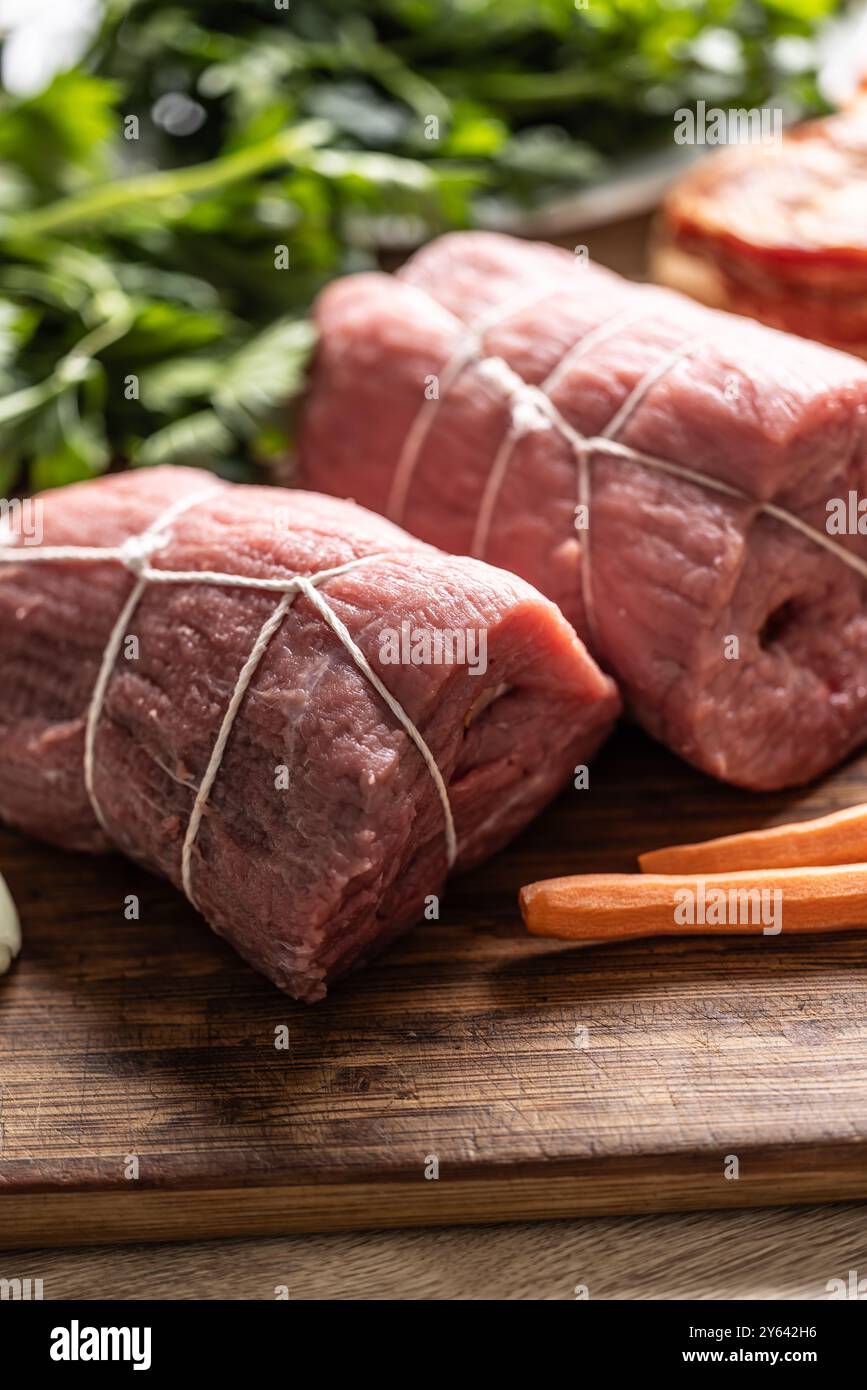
673,477
233,737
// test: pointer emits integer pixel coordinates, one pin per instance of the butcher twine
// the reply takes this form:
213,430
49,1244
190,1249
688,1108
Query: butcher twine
134,554
531,408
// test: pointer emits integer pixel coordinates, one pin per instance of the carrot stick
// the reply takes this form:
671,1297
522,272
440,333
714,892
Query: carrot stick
837,839
614,907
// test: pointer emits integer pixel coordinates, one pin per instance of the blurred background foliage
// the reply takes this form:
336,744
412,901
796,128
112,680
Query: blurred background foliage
147,186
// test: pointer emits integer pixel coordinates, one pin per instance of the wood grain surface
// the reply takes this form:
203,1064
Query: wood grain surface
152,1041
771,1254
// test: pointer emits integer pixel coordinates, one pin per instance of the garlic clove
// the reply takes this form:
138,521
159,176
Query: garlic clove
10,928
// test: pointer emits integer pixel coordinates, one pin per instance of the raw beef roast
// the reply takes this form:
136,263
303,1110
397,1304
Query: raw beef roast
305,809
662,471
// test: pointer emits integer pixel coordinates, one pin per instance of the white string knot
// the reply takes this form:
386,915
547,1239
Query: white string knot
529,416
136,551
529,408
532,408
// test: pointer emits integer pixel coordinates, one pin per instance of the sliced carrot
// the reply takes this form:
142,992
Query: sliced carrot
840,838
614,907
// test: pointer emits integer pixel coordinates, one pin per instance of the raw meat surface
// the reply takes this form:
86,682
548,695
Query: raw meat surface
311,878
736,638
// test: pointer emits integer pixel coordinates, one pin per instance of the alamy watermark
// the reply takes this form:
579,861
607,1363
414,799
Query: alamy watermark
847,516
850,1287
713,125
428,646
714,906
21,518
77,1343
21,1290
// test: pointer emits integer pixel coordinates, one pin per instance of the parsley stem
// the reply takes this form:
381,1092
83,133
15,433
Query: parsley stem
71,368
107,200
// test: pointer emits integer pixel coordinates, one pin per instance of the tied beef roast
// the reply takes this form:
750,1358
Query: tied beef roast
296,758
665,472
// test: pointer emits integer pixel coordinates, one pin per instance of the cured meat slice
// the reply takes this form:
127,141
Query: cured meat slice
778,233
210,678
664,472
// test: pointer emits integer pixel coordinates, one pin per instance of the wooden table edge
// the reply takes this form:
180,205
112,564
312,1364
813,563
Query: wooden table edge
594,1188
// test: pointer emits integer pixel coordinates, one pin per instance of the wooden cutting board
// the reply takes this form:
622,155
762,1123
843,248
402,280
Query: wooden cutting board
149,1046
